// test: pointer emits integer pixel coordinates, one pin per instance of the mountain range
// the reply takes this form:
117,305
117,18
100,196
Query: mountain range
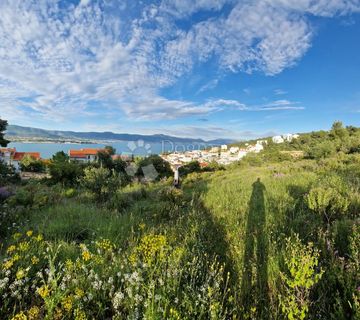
19,133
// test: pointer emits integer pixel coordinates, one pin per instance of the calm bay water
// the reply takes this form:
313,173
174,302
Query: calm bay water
138,148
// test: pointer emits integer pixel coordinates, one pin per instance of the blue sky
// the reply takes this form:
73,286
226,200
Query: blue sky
194,68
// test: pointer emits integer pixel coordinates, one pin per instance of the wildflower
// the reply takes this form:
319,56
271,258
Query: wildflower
20,316
86,255
142,226
79,293
8,264
43,291
29,233
11,249
105,244
20,274
79,314
118,297
39,238
24,246
34,260
16,257
16,236
33,313
67,303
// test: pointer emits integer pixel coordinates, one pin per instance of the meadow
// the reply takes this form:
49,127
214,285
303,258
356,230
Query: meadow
258,240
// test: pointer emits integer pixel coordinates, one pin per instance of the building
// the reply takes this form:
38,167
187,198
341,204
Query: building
234,150
224,147
277,139
84,155
11,157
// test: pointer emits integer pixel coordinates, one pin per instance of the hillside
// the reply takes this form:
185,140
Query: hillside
267,238
14,133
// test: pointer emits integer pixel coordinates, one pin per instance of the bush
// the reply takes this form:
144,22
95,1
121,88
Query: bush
327,202
301,275
29,164
101,182
153,168
66,173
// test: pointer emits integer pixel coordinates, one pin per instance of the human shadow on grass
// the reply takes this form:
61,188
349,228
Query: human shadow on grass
254,285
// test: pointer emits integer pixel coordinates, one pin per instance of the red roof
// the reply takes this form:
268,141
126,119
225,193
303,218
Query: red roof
82,153
11,150
18,156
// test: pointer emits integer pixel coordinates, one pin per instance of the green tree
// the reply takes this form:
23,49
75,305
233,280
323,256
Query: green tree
60,156
338,130
193,166
30,164
101,182
3,125
66,173
104,157
155,163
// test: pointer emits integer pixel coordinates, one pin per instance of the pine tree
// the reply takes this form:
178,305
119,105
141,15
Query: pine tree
3,125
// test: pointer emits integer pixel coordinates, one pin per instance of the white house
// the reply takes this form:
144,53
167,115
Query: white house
256,148
234,150
242,153
214,149
277,139
224,147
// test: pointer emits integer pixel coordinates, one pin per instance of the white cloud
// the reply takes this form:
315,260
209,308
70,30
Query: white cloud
65,58
280,92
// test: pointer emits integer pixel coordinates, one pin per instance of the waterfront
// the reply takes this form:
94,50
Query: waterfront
138,148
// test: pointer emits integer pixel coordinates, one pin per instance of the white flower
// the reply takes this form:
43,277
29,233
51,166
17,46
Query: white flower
118,297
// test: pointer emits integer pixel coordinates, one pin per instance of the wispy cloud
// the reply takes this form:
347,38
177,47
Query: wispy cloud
63,58
280,92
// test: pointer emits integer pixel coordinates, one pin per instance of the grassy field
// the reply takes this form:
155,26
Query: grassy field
273,241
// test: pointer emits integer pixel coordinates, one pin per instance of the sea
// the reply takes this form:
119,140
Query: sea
137,148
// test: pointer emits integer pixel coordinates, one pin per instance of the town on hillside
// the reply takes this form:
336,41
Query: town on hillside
223,154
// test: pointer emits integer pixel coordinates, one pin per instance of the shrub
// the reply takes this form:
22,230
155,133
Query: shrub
29,164
327,202
101,182
301,275
66,173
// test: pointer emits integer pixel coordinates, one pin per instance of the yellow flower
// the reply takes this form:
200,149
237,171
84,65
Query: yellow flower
38,238
43,291
33,313
24,246
8,264
79,293
11,249
105,244
20,316
67,303
16,236
29,233
86,255
79,314
16,257
34,260
142,226
20,274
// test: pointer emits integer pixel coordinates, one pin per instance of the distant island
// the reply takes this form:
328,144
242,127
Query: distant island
17,133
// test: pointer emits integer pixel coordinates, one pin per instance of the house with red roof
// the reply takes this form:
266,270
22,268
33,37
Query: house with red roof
11,157
84,155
